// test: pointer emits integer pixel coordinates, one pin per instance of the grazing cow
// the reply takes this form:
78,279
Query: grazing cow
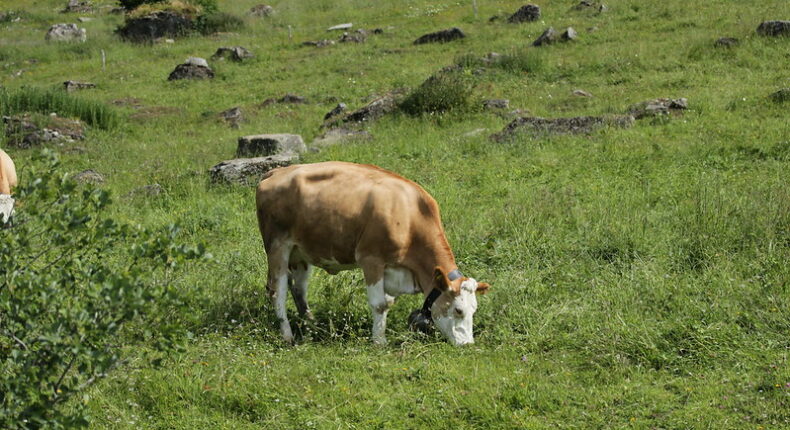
341,216
7,173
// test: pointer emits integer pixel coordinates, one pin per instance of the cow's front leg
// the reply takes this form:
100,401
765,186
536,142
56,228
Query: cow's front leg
380,303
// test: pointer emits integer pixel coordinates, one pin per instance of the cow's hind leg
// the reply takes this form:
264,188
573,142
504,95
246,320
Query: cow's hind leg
300,274
378,300
277,286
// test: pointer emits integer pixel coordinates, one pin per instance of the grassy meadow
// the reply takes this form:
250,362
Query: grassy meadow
640,276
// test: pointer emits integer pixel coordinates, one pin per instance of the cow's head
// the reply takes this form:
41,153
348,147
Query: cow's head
453,310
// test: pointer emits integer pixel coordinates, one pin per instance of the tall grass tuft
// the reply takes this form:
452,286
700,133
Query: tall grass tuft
32,99
443,92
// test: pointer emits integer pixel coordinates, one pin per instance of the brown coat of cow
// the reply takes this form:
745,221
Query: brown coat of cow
338,216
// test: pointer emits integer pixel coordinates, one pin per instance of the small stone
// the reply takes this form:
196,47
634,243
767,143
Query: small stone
660,106
358,37
84,19
345,26
774,28
340,135
781,96
235,53
76,6
66,33
193,68
581,93
261,10
590,6
269,144
441,36
526,13
196,61
496,104
248,171
74,85
569,34
548,36
232,116
89,176
726,42
339,109
376,109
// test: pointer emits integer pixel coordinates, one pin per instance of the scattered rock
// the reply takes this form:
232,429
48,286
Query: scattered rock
581,93
286,99
232,116
660,106
726,42
492,58
89,176
235,53
781,96
193,68
66,33
377,31
590,6
23,131
358,36
551,35
261,10
84,19
269,144
6,208
526,13
345,26
75,85
374,110
319,43
161,24
339,109
774,28
441,36
248,171
131,102
576,125
76,6
496,104
340,135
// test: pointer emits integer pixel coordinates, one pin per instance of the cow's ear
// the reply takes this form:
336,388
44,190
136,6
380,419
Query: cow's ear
440,280
482,288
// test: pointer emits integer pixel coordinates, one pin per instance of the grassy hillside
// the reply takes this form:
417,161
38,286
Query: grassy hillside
639,276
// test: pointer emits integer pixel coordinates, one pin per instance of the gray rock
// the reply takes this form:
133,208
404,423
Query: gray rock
232,116
660,106
248,171
358,36
774,28
235,53
345,26
569,34
22,132
526,13
536,126
496,104
548,36
84,19
590,6
6,208
162,24
726,42
340,135
339,109
193,68
261,10
286,99
377,108
75,85
781,96
66,33
441,36
581,93
319,43
76,6
269,144
89,176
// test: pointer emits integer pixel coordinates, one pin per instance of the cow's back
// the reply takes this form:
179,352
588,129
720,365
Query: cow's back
328,208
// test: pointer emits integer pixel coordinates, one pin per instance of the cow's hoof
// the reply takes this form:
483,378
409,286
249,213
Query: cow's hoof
381,341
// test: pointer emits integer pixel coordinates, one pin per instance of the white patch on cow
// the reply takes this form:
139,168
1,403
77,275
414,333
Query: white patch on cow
281,293
380,303
455,320
399,281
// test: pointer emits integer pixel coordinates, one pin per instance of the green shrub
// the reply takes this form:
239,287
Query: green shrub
219,22
443,92
74,284
32,99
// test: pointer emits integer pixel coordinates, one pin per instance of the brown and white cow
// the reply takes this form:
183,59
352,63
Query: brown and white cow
341,216
7,173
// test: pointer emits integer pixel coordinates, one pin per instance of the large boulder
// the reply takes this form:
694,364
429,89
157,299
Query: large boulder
537,126
269,144
235,53
441,36
66,33
526,13
161,24
193,68
774,28
655,107
248,171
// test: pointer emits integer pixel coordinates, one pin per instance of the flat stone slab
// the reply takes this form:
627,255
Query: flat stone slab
558,126
75,85
345,26
260,145
248,171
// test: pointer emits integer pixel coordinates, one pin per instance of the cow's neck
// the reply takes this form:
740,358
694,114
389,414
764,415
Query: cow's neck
439,255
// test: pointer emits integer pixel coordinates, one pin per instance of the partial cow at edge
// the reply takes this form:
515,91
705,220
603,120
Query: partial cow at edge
340,216
8,181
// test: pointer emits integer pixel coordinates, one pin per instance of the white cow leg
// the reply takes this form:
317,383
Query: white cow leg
299,276
278,288
380,303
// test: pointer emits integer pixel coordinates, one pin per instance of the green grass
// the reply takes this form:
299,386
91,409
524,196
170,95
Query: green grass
639,277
